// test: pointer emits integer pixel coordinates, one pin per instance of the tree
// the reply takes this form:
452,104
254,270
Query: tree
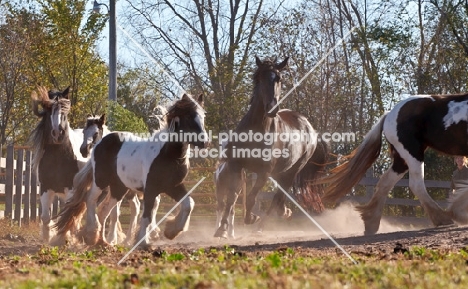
66,56
206,45
54,48
139,91
16,40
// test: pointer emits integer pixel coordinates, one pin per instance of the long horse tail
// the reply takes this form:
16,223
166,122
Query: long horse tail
307,192
76,205
345,176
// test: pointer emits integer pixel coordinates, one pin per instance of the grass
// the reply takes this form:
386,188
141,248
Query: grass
228,268
222,267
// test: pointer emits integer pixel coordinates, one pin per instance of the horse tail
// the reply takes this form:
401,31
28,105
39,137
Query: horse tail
307,192
76,205
345,176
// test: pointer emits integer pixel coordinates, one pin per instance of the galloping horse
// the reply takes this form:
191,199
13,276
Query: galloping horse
93,132
55,148
413,125
153,166
291,163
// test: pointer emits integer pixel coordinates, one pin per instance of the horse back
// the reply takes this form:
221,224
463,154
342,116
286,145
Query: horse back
438,121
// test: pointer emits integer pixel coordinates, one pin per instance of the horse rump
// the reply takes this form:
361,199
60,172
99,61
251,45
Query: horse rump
307,192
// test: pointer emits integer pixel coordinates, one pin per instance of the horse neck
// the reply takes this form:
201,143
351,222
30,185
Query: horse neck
75,139
176,149
255,118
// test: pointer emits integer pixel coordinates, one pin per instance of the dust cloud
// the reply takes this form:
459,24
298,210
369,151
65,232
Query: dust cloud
343,221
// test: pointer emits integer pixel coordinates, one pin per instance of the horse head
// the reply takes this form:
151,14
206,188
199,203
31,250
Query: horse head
267,80
55,108
187,116
92,133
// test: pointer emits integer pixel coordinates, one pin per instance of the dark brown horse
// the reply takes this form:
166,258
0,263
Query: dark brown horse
292,163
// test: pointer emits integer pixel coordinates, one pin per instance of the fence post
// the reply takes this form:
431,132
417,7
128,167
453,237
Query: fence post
19,185
9,173
27,188
33,196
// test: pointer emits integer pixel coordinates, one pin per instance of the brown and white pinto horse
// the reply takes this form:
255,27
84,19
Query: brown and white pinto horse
413,125
55,149
155,165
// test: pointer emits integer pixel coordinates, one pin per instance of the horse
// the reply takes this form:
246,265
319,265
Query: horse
412,126
291,163
152,165
55,149
94,130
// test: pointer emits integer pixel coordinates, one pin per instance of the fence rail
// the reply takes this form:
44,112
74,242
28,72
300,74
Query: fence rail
19,189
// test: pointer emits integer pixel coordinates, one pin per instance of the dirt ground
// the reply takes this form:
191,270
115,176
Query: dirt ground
343,224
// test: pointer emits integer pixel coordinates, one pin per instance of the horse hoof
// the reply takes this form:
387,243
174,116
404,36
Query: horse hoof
369,232
287,214
251,219
92,238
221,234
171,234
154,235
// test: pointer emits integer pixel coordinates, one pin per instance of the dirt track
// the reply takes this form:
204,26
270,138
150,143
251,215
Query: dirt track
344,225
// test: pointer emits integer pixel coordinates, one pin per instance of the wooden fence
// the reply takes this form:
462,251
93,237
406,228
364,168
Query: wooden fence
19,190
18,185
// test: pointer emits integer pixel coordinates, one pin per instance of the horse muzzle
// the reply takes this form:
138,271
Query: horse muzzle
58,135
84,150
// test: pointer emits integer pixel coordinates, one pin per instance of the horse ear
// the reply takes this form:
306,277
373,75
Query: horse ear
258,61
185,97
200,99
282,65
103,119
65,92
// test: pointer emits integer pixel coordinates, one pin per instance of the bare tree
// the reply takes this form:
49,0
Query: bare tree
205,44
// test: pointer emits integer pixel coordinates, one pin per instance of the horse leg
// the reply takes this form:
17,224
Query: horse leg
226,224
182,220
47,199
251,218
371,213
134,212
155,232
148,204
93,225
225,210
117,192
437,215
114,224
279,199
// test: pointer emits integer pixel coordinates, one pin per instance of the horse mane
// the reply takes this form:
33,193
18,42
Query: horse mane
264,66
450,96
38,138
184,106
